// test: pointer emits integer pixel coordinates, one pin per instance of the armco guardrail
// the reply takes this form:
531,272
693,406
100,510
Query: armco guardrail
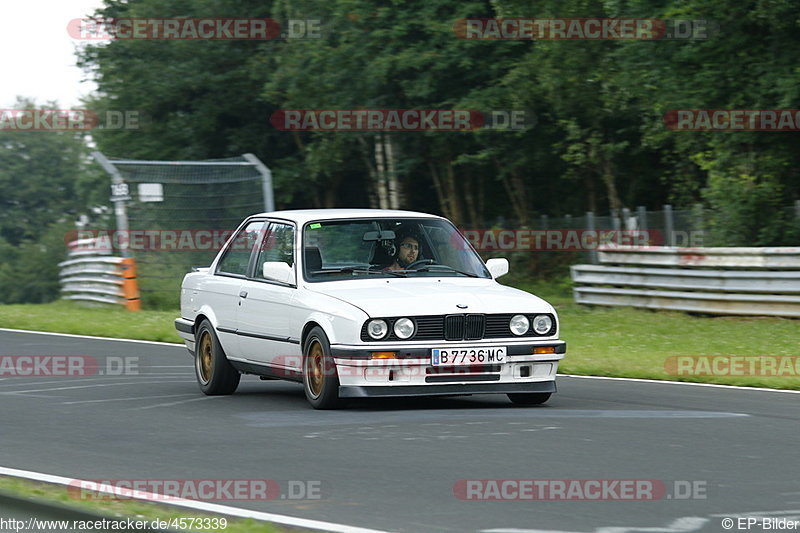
90,274
778,257
725,281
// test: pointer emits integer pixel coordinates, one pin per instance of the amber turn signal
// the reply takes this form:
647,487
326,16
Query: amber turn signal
384,355
539,350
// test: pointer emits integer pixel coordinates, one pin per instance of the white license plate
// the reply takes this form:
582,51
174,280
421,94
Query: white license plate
468,356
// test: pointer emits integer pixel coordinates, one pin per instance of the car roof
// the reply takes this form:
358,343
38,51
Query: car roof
301,216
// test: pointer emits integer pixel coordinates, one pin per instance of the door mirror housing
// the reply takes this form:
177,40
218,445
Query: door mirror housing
278,271
497,267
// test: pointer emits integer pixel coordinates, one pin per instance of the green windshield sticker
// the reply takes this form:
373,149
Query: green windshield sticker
315,226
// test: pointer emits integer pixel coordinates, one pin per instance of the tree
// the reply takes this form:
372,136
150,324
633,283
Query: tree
46,181
197,99
744,59
599,140
45,177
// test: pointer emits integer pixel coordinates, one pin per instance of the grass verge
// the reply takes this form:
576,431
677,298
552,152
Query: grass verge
134,509
636,343
64,316
602,341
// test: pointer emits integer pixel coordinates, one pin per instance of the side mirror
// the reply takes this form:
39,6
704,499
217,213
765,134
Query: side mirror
497,267
278,271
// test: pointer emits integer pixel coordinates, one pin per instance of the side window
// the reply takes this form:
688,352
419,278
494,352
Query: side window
278,245
237,256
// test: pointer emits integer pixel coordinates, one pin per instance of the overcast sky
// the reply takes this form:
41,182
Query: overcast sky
38,55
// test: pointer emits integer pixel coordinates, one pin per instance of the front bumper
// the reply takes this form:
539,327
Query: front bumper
343,353
185,329
410,372
445,390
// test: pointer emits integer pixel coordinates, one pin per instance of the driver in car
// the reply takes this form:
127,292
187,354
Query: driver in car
407,253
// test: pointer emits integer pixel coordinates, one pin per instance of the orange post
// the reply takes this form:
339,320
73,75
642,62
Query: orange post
130,285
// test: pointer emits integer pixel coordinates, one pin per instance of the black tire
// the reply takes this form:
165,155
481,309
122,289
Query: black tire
214,372
529,398
320,379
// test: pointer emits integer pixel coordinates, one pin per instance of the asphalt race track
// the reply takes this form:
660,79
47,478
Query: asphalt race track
393,465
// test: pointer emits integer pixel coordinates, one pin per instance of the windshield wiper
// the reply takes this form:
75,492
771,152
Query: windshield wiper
434,268
346,270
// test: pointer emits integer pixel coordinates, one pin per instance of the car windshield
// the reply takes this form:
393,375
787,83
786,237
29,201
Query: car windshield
402,247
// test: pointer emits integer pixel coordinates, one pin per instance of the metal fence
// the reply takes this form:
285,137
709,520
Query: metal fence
664,227
173,199
173,215
668,226
725,281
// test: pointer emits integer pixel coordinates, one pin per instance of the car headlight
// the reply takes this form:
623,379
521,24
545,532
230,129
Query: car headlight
403,328
377,329
519,324
542,324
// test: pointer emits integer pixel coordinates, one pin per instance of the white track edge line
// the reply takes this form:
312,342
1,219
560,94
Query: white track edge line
667,382
197,505
638,380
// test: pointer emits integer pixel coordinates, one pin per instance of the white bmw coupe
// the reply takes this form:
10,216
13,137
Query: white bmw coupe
357,303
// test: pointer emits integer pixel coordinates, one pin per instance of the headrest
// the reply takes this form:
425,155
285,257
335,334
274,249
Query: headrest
312,258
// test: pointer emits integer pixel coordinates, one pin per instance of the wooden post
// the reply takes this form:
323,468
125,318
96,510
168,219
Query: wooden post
590,227
669,225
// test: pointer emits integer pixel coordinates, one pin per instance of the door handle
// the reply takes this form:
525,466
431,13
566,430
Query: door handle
242,294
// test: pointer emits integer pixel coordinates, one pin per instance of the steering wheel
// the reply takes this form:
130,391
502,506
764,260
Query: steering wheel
417,263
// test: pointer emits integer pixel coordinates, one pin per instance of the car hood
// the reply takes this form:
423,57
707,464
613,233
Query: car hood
431,296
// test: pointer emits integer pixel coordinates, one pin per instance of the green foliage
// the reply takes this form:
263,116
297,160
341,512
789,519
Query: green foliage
745,208
621,342
29,271
595,138
101,320
200,98
598,142
121,508
45,177
46,181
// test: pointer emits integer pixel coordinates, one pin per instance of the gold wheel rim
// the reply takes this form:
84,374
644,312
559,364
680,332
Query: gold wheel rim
314,368
206,357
